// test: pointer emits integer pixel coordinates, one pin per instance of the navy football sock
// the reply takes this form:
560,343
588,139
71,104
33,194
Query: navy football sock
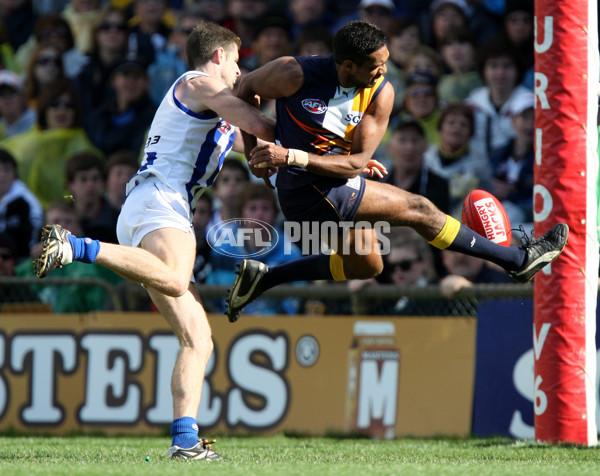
184,431
471,243
310,268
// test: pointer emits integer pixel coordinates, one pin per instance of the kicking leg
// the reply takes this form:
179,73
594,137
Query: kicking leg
384,202
167,275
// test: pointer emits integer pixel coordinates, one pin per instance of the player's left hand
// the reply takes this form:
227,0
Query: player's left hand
268,156
374,167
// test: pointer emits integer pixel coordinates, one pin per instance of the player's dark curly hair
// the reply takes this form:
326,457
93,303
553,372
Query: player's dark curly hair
205,39
356,41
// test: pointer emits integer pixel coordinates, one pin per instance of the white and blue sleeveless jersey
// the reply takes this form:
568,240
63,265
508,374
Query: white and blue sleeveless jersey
184,149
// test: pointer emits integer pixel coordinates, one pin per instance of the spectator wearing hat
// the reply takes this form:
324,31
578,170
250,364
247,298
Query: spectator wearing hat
21,214
512,167
16,116
108,50
499,67
422,104
458,52
122,123
453,158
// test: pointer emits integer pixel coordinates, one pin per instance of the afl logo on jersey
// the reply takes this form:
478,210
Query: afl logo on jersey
224,127
316,106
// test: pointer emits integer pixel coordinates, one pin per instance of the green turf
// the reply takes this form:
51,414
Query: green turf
280,455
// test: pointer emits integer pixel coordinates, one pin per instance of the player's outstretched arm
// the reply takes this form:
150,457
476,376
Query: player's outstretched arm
206,93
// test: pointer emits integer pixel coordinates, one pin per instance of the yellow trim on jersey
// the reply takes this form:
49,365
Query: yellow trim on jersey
361,103
448,233
336,266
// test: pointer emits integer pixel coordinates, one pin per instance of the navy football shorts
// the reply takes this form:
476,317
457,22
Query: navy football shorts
325,199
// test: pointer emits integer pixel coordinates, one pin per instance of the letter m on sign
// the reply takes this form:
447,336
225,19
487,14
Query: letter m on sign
378,392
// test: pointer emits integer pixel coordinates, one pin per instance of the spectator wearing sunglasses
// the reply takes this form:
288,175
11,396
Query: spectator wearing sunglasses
45,67
54,30
408,263
42,152
108,50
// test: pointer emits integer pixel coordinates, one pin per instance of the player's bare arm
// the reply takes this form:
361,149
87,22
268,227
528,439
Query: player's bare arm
367,136
202,94
278,78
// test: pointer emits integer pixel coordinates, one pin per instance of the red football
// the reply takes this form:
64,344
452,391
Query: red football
483,213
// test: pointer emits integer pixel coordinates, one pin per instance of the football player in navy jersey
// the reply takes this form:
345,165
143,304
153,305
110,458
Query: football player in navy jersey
332,112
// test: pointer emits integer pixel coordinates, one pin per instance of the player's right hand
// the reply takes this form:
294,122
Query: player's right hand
265,174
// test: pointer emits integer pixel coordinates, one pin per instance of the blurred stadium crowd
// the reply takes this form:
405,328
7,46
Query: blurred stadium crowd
80,81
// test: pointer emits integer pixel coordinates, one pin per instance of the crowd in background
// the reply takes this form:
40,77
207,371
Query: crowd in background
80,81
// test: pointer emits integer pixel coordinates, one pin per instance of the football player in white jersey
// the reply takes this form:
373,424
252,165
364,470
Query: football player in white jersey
187,142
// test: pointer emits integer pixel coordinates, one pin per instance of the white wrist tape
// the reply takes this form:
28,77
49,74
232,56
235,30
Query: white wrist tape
297,157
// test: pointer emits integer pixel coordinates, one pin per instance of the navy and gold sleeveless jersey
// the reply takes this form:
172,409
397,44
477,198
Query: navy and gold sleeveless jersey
320,118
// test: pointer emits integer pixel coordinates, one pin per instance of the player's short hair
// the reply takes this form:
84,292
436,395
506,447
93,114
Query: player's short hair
83,161
205,39
356,40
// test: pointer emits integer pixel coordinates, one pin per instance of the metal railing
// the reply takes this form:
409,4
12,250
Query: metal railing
378,299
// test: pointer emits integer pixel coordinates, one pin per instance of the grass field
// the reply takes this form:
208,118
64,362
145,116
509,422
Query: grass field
295,456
